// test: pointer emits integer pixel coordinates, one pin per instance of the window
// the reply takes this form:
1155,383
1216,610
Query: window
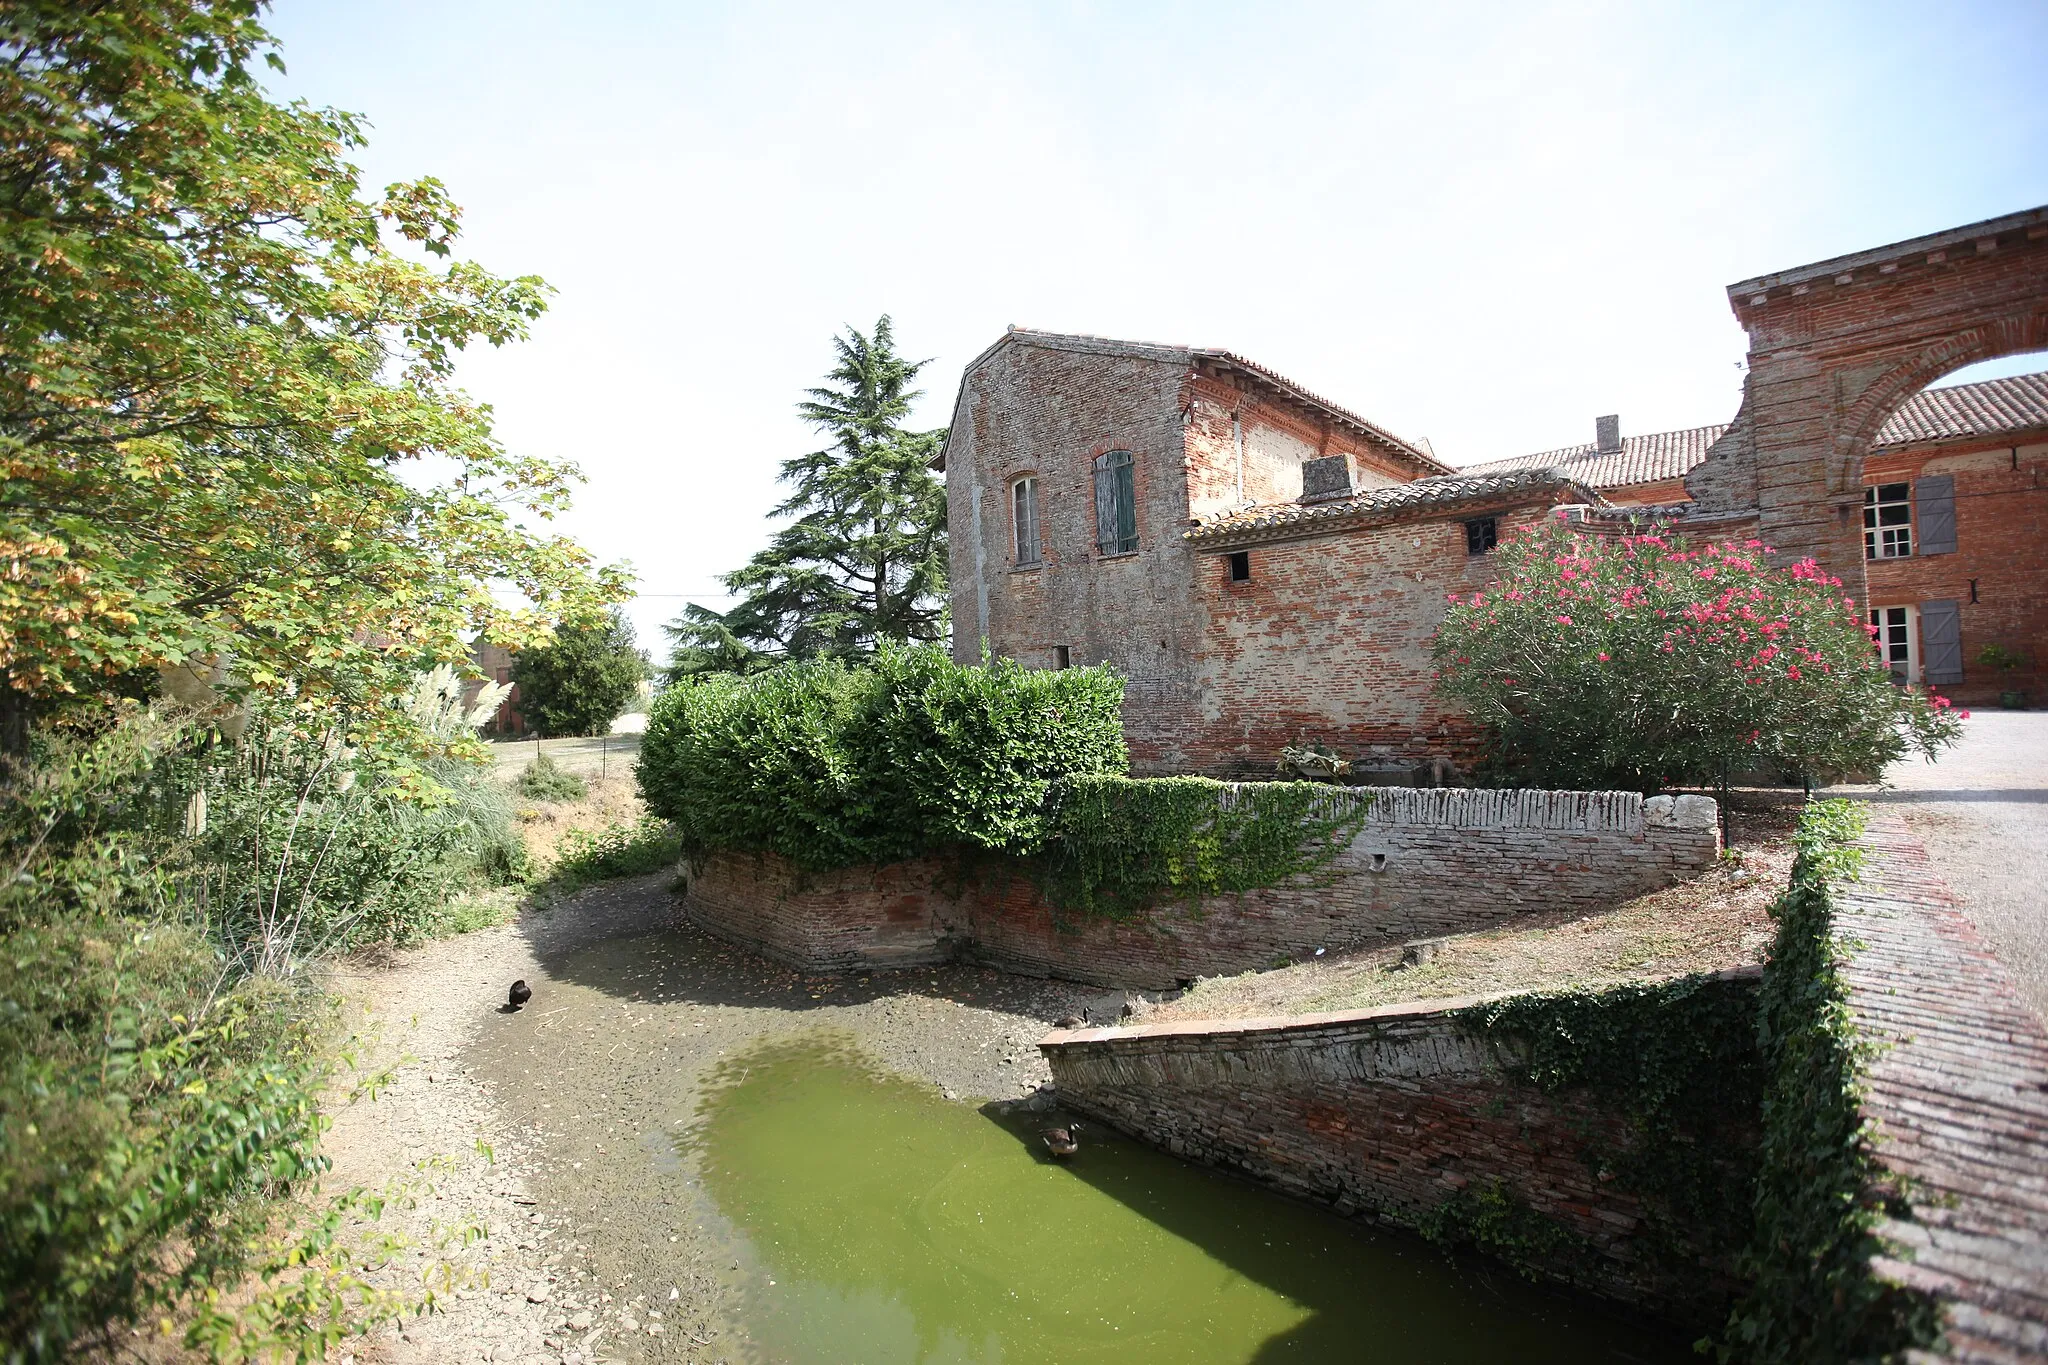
1062,656
1888,521
1024,519
1481,535
1892,633
1241,567
1116,504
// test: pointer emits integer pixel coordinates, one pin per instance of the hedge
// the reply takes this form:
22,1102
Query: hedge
830,764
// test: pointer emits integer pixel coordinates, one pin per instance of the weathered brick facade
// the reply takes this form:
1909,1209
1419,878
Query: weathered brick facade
1387,1113
1252,615
1426,863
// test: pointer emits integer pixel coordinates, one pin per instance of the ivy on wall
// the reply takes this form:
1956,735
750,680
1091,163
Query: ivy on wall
1119,845
1813,1298
1677,1061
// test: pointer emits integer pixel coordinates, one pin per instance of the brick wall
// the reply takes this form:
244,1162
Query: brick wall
1998,574
1329,640
1387,1113
1426,862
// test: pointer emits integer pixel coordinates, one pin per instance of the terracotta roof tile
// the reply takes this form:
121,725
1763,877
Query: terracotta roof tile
1439,493
1990,408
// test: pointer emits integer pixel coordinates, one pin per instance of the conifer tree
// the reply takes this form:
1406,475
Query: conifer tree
864,559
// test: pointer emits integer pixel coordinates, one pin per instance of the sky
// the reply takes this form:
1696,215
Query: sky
1479,224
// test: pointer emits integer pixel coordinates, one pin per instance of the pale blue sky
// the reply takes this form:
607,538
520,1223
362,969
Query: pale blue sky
1479,224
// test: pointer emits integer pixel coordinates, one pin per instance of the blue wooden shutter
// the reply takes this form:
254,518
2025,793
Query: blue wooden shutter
1934,507
1105,506
1941,641
1126,506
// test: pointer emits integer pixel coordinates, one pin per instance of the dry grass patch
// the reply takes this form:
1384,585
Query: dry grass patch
612,801
1720,919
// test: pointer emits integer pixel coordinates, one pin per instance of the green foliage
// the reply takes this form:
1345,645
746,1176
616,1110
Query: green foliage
1639,663
2001,658
1814,1298
619,850
864,560
219,380
830,765
1678,1061
148,1098
1490,1218
582,680
1118,844
546,780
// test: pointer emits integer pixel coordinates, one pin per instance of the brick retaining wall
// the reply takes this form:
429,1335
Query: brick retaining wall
1957,1099
1387,1113
1427,862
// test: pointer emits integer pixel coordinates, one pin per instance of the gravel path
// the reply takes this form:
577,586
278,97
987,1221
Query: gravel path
598,1244
1982,811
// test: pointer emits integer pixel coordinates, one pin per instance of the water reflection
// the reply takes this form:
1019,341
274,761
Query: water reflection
898,1227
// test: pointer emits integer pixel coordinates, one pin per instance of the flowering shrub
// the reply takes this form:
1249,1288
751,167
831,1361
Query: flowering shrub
1639,662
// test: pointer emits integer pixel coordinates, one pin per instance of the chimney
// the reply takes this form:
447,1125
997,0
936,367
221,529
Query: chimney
1607,433
1326,479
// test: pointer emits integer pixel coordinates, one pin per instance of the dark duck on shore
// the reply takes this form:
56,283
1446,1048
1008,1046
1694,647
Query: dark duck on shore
1062,1142
519,994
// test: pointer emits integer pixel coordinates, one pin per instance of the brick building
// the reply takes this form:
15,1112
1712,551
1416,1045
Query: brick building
1266,568
494,663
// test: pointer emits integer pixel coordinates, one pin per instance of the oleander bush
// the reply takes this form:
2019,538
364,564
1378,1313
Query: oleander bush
1641,662
831,764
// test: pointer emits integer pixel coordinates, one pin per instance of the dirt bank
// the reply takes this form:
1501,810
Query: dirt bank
597,1243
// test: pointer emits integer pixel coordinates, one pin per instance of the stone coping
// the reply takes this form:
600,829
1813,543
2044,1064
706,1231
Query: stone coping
1305,1023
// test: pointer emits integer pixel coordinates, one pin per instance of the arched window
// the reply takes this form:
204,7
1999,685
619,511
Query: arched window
1024,519
1116,504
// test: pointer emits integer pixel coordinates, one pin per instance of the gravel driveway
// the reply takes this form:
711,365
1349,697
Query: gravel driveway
1982,811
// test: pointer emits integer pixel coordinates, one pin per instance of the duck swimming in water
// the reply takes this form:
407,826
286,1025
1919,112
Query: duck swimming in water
1062,1142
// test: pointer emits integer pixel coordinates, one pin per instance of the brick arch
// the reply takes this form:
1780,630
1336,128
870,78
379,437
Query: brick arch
1837,347
2016,334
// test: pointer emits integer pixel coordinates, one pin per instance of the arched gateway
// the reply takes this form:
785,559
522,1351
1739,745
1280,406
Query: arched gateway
1837,346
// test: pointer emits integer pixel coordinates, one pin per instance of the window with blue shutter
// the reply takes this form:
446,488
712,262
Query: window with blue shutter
1941,641
1934,508
1116,504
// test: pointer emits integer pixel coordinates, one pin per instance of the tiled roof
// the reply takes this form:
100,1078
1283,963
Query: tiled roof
1641,459
1990,408
1422,460
1987,409
1439,493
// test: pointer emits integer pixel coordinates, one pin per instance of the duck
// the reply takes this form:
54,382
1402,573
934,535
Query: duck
1062,1142
519,994
1067,1021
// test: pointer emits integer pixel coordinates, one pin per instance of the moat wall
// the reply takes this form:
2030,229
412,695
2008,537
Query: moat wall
1408,1112
1426,862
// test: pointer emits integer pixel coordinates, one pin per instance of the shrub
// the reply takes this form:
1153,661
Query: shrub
148,1100
831,765
620,850
546,780
582,680
1118,844
1637,662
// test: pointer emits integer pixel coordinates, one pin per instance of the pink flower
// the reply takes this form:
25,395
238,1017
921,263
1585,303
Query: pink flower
1603,658
1564,620
1792,671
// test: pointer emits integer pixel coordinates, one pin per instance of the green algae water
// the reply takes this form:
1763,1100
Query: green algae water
894,1226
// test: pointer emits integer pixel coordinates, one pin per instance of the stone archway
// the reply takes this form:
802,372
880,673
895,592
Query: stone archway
1837,346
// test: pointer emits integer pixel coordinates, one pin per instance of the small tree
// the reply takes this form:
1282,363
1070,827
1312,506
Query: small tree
1639,663
579,683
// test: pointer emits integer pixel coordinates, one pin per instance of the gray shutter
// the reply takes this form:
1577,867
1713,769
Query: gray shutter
1941,641
1934,508
1105,507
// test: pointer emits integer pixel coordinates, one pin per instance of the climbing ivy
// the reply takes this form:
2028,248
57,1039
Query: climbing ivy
1677,1061
1813,1297
1490,1218
1119,845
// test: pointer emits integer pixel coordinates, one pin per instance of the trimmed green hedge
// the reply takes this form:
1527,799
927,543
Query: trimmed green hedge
831,765
1813,1298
